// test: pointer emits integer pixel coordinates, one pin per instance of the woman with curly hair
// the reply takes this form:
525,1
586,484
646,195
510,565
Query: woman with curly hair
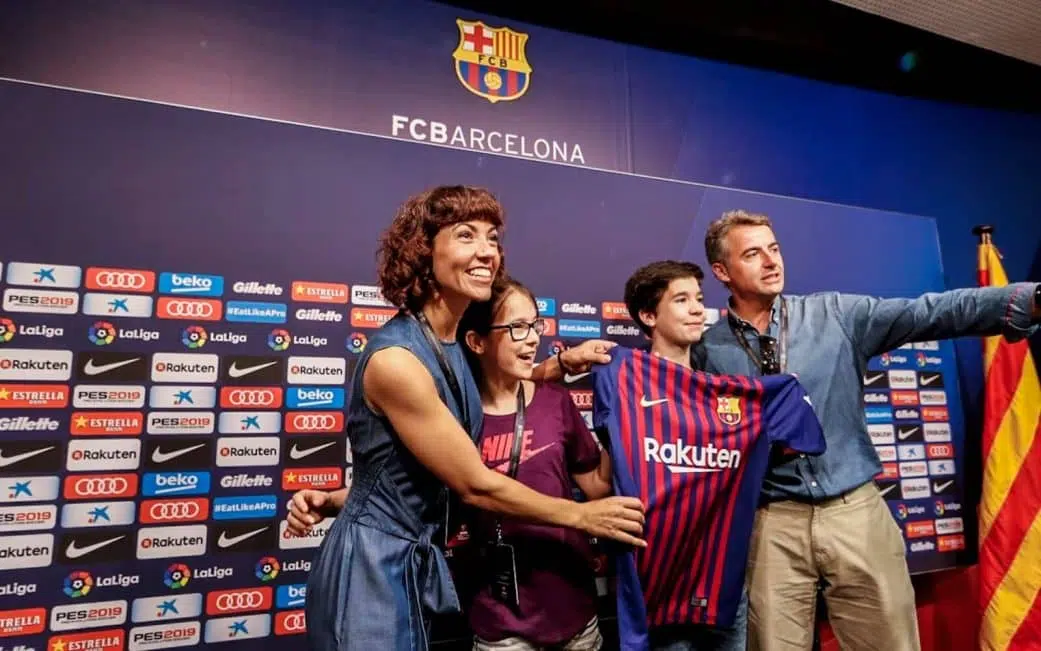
413,415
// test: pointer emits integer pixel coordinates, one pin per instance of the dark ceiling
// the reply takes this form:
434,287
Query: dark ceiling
812,38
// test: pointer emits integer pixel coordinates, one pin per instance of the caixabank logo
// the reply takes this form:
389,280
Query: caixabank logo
491,62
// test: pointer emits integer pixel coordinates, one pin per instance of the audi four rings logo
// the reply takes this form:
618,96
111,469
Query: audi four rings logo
314,422
121,280
174,510
101,485
189,309
238,601
247,397
294,622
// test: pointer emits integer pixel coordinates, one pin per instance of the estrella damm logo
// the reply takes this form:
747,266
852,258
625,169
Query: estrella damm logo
490,61
728,408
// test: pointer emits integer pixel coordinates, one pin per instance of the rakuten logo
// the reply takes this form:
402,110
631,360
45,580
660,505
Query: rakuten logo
312,539
22,552
115,454
242,451
184,368
682,458
20,364
317,370
170,542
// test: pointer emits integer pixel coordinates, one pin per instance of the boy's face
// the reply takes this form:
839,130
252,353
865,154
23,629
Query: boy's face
680,315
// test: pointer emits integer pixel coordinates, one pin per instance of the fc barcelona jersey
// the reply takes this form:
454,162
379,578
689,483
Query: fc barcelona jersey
694,448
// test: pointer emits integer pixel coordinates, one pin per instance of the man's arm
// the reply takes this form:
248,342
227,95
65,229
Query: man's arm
577,359
878,325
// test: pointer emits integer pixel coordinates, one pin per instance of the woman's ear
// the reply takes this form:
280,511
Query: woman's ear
474,342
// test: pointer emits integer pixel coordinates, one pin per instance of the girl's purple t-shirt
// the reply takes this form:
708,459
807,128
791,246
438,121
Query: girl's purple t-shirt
554,564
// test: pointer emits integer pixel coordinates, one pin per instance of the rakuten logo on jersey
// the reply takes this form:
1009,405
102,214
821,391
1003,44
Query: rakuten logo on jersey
171,542
22,552
317,370
243,451
21,364
100,613
113,396
257,288
184,367
27,518
94,487
36,301
311,539
107,423
165,636
682,458
120,280
28,424
369,296
241,600
195,509
175,422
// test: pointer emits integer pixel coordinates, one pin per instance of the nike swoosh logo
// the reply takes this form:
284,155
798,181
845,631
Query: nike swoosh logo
297,453
72,551
159,456
871,379
644,402
885,491
939,488
926,381
235,371
7,461
574,378
903,434
224,541
525,455
92,369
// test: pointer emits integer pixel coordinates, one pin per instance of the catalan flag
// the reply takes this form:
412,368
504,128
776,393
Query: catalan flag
1010,506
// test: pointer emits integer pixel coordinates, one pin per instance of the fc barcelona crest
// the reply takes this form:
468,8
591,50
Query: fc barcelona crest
490,61
728,408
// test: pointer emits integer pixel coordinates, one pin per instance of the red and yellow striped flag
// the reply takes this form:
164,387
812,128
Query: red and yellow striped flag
1010,506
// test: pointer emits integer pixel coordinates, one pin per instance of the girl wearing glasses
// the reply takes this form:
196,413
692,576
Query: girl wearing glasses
555,600
413,415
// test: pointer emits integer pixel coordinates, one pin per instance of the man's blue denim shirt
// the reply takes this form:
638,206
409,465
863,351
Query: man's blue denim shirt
831,336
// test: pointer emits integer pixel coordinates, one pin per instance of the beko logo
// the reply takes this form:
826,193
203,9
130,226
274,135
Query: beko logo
167,542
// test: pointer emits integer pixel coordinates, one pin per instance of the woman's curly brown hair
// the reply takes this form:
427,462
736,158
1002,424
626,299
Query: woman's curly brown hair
404,259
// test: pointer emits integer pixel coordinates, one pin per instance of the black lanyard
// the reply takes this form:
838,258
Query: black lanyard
518,440
782,342
446,370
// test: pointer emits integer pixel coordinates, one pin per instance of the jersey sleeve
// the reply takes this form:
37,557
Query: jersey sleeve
789,417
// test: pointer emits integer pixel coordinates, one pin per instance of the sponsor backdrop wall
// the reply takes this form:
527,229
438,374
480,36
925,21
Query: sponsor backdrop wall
201,282
176,345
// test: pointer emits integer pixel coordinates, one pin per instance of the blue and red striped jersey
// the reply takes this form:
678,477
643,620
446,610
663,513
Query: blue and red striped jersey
694,448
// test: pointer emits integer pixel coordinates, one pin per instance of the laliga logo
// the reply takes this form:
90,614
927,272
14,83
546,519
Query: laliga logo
279,339
177,576
78,584
267,568
901,511
102,333
356,342
194,337
7,330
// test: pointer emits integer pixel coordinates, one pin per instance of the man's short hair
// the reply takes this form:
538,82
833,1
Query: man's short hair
715,237
644,289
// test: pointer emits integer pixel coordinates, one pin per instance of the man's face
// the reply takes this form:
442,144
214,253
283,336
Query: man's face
680,315
753,264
